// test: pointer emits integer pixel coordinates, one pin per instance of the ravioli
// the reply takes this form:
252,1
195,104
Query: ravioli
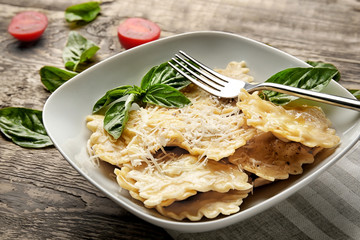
179,177
209,204
209,127
102,145
236,70
271,158
304,124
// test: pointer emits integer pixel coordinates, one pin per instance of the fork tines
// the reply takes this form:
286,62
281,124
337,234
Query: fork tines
197,72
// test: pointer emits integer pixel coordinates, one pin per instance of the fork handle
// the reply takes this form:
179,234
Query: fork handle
311,95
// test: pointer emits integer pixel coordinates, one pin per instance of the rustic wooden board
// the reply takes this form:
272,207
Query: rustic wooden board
42,196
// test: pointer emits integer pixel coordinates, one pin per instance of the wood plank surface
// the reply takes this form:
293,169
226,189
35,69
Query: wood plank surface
42,196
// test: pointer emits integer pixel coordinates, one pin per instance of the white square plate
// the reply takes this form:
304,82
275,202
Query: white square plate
65,111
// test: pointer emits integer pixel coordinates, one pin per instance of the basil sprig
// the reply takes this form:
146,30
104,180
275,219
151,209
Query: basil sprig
111,96
337,77
117,116
313,78
165,96
166,75
53,77
24,127
160,86
318,64
78,50
85,12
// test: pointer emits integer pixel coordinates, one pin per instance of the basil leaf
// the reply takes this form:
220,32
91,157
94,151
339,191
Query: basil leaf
117,116
159,86
53,77
78,50
314,79
355,92
337,77
24,127
111,96
146,80
325,65
165,96
164,74
86,12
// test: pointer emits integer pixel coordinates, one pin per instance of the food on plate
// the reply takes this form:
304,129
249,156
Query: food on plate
209,204
305,124
176,178
204,159
136,31
271,158
28,26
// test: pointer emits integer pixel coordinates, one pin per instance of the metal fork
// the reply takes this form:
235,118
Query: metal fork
225,87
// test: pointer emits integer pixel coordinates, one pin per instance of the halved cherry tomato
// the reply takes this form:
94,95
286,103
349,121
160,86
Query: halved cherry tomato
136,31
28,26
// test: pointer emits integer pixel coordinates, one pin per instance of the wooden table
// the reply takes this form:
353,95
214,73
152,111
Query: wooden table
42,196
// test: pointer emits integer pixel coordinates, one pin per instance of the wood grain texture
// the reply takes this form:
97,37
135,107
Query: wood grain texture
42,196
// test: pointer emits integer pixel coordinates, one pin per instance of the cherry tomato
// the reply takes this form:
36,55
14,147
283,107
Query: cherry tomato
136,31
28,26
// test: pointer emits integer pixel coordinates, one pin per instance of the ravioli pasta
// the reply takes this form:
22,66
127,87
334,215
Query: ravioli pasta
179,178
203,160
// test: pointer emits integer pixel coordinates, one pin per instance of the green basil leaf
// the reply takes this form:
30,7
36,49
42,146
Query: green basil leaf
164,74
53,77
78,50
337,77
86,12
355,92
111,96
314,79
165,96
117,116
146,80
24,127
